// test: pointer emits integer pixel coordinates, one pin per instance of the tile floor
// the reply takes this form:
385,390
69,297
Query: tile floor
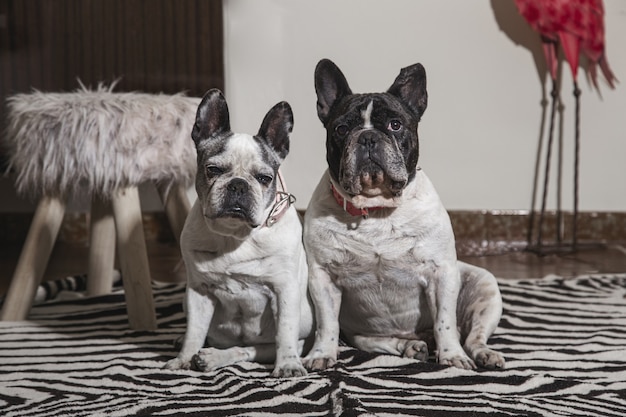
164,257
522,264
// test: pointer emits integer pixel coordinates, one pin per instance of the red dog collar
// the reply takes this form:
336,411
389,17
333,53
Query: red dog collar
349,207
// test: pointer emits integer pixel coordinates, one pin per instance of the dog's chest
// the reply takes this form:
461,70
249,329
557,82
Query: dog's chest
377,255
234,271
236,274
230,282
383,269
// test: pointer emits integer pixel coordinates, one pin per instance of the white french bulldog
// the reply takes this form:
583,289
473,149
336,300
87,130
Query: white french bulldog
382,260
242,246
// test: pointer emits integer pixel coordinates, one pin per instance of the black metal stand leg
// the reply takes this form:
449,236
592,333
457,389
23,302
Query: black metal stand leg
577,93
546,179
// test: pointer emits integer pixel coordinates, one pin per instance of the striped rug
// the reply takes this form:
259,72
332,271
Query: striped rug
564,341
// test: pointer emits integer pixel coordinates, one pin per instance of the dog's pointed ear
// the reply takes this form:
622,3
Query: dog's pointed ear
212,117
276,128
410,87
330,85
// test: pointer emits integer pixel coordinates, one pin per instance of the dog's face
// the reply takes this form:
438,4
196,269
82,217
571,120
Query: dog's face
371,144
237,173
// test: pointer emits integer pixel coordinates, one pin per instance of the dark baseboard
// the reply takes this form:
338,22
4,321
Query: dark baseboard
477,232
497,231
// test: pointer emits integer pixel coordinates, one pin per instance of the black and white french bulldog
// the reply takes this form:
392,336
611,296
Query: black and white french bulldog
382,260
242,247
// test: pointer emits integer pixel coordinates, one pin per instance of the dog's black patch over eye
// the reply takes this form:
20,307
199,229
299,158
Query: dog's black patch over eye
213,171
394,125
342,130
264,179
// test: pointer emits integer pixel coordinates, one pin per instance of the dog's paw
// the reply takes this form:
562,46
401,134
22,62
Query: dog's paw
460,360
319,364
416,349
289,370
177,363
318,361
490,359
207,359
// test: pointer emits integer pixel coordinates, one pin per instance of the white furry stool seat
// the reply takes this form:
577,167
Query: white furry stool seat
106,143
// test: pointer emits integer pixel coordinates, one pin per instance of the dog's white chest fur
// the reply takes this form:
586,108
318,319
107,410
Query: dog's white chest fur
383,262
237,276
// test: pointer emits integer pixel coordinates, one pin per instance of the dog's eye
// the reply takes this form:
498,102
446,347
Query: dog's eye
342,130
394,125
264,179
214,171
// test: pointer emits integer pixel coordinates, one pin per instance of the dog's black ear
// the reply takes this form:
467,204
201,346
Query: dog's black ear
212,117
330,85
410,87
276,127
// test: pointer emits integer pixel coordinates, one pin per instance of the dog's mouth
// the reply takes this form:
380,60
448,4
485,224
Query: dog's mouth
375,183
237,213
371,180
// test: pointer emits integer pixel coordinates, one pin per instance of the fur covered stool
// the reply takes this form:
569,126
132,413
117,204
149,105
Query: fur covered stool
106,143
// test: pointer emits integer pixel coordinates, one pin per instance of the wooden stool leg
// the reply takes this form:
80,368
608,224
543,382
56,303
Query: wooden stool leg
33,259
176,205
133,256
101,248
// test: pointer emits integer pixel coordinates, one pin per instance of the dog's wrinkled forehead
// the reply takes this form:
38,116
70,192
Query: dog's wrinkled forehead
240,153
372,110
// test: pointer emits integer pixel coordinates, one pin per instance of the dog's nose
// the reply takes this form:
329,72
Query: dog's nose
367,139
397,187
237,186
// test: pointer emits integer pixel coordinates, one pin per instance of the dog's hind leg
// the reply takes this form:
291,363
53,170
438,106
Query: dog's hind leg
408,348
211,358
478,312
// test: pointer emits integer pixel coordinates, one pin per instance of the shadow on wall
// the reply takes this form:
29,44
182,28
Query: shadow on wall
513,25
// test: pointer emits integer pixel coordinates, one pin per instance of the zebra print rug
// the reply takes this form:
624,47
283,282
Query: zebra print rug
564,341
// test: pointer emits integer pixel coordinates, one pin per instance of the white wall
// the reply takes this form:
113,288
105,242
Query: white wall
480,133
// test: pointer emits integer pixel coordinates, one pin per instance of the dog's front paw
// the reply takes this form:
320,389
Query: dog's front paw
289,370
177,363
416,349
490,359
459,360
317,360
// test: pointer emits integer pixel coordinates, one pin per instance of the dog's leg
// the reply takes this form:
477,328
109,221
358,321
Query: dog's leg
200,309
408,348
479,310
208,359
327,300
287,317
442,294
